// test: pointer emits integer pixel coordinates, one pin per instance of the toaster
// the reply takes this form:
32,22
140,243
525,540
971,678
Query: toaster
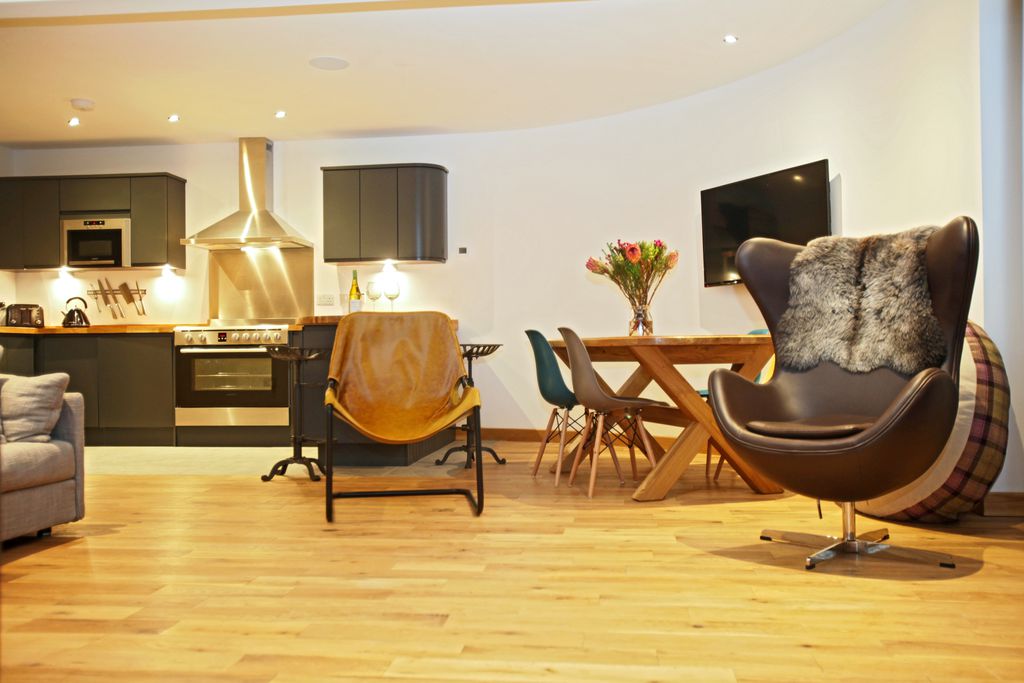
24,315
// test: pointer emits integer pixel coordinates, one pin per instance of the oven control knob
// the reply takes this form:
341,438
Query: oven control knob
234,337
277,336
266,337
188,338
202,339
245,337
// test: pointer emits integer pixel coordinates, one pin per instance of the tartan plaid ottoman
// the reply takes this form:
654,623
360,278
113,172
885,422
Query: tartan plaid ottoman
974,454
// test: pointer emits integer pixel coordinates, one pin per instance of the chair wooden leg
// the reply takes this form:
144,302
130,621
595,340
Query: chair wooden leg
648,449
561,446
721,462
615,461
544,441
632,461
707,460
597,451
579,449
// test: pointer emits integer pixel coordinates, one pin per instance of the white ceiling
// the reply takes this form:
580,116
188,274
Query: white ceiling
417,66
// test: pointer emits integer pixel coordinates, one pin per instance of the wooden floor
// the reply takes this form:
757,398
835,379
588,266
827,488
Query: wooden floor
227,578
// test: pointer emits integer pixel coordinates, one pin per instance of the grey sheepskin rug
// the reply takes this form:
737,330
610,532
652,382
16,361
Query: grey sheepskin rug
861,304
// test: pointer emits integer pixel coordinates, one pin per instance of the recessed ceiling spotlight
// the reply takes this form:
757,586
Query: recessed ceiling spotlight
328,63
73,121
82,104
173,118
280,114
729,39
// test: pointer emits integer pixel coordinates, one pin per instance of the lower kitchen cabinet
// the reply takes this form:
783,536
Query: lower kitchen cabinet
19,356
127,382
350,447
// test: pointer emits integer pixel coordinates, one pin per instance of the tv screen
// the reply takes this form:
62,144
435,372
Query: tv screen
791,205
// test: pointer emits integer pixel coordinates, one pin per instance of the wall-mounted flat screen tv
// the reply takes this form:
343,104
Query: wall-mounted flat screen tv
791,205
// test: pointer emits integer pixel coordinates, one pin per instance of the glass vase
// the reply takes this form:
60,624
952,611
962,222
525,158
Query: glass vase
641,323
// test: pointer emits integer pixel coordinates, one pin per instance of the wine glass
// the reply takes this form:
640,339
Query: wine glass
373,292
391,291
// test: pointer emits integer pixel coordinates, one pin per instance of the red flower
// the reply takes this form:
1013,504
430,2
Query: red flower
632,251
594,266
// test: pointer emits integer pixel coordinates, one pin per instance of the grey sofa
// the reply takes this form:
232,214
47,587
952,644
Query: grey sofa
43,483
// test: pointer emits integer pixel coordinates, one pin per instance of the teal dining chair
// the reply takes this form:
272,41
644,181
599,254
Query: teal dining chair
554,390
721,460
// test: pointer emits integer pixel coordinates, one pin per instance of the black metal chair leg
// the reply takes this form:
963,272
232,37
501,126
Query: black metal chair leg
329,462
476,502
479,507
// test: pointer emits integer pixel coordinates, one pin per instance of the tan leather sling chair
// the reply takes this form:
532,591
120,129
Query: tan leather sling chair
399,378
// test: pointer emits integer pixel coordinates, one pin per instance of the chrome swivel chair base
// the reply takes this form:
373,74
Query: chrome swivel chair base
869,543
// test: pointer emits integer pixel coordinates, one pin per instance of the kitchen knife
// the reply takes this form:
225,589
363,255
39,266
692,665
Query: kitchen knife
113,296
106,299
126,292
137,289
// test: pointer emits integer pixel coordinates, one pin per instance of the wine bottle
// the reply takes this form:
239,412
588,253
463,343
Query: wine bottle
355,296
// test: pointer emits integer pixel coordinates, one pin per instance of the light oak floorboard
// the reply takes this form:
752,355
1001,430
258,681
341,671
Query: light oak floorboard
207,576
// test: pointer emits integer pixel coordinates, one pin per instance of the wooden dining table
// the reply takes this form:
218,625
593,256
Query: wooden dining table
656,358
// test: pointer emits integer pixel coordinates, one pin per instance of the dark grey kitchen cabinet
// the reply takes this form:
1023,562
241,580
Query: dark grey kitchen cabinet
103,193
75,354
126,380
378,213
40,206
29,223
341,214
158,220
10,224
398,211
136,387
19,354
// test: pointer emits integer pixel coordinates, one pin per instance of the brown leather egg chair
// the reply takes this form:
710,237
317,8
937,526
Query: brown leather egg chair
841,436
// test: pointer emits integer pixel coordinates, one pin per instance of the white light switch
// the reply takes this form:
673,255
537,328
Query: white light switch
325,300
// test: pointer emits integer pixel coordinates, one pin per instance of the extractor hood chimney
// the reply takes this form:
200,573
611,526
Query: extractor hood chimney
254,224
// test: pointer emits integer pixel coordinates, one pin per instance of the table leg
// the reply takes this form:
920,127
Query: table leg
672,465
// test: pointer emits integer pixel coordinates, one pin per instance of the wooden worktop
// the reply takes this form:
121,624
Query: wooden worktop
94,329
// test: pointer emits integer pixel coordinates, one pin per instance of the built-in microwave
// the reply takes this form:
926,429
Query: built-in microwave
95,242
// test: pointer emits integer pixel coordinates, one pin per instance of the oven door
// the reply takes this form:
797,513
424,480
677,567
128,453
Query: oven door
229,386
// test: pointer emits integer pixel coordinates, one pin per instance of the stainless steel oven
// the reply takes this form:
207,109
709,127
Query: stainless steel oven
96,242
227,377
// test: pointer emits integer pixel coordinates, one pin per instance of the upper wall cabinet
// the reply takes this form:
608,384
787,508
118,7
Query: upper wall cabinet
29,223
372,213
31,210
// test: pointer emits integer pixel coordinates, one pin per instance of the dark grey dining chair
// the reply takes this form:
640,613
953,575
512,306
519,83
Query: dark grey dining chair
602,407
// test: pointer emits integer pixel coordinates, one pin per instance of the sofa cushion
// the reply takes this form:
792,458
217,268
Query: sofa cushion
25,464
30,406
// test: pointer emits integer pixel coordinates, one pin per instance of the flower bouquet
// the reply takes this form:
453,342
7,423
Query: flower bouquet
637,268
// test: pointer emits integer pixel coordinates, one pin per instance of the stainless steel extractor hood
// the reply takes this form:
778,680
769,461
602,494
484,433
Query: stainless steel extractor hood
254,224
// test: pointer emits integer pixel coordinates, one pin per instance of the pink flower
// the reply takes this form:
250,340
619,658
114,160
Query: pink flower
594,266
658,244
632,251
672,260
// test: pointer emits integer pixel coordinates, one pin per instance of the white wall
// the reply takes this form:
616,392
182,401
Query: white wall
1003,243
893,105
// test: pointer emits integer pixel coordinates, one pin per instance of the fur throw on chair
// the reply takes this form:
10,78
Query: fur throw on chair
862,304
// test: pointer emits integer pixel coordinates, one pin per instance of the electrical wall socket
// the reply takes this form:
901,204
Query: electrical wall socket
325,300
